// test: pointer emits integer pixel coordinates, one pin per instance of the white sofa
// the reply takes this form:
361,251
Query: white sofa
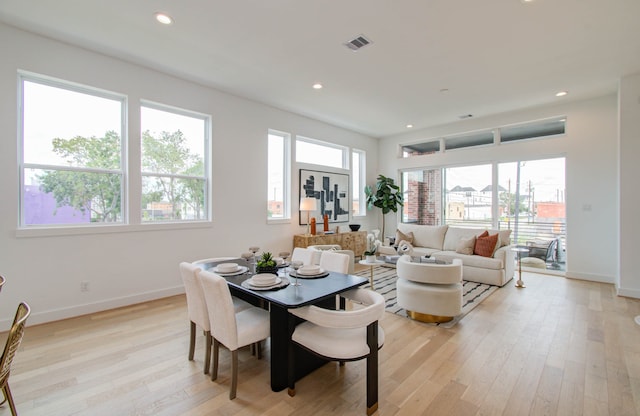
441,242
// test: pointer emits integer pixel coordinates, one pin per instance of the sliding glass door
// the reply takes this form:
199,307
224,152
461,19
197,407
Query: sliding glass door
527,197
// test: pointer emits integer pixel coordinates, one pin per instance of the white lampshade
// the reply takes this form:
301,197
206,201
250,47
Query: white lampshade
308,204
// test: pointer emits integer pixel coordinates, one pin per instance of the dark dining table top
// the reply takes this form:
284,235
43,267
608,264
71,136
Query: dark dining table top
290,296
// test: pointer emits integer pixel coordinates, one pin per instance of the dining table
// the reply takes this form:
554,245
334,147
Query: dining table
312,291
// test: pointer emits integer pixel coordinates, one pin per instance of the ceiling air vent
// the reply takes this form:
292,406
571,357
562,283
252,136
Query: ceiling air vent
463,116
357,43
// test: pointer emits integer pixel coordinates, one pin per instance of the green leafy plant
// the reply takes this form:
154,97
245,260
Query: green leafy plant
266,263
387,196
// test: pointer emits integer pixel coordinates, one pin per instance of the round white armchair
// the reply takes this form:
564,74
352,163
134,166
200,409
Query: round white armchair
429,292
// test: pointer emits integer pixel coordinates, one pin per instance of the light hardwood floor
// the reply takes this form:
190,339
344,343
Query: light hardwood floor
557,347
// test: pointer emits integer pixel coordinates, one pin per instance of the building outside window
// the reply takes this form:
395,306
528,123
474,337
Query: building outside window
72,146
175,165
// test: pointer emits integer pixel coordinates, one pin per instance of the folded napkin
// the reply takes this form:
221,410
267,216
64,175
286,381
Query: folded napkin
309,269
279,260
264,278
227,267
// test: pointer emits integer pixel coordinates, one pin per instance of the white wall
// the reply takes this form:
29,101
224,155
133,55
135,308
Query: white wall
138,263
629,142
590,148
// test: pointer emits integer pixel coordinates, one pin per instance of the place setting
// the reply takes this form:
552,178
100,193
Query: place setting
229,269
265,281
309,271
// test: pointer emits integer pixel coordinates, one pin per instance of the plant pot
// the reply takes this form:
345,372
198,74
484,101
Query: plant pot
273,270
370,258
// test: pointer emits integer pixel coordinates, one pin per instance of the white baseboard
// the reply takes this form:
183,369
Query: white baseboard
41,317
629,293
591,277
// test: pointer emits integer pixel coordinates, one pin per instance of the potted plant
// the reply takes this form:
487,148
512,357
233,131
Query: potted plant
266,264
387,197
372,248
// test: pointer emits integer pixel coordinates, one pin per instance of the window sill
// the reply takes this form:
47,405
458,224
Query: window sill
107,229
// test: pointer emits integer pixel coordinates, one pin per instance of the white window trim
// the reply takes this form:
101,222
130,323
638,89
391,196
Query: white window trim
208,170
286,180
346,162
362,155
26,76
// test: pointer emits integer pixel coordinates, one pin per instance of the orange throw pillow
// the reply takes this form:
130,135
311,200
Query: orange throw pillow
486,244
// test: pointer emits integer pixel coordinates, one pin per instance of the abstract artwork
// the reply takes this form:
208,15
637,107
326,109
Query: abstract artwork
331,191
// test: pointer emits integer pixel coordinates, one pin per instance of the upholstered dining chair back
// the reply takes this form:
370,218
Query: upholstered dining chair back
10,349
334,262
306,255
341,335
229,327
196,311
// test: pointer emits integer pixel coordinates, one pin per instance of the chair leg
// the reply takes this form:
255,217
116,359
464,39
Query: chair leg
214,366
291,378
259,349
7,394
207,352
234,374
192,340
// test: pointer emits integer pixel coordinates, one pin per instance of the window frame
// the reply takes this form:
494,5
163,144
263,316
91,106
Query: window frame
359,187
286,177
206,177
22,228
344,149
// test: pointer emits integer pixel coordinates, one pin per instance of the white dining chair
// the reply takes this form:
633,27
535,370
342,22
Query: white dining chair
233,329
334,262
343,335
305,255
197,310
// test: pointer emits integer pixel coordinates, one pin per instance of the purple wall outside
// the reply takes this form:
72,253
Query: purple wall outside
40,208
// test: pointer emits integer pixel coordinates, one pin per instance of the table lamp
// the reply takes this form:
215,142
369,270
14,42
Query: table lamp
308,204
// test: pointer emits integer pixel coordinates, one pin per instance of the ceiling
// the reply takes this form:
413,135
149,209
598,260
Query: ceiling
430,61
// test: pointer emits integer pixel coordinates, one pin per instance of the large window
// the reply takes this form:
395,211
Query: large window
358,175
527,197
321,153
468,196
279,175
72,170
532,204
174,164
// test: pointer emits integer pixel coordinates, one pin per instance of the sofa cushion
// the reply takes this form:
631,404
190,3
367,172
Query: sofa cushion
486,244
504,235
466,245
400,236
471,261
429,236
454,234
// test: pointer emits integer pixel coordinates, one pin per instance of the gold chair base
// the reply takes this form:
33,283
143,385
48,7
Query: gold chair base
371,410
427,318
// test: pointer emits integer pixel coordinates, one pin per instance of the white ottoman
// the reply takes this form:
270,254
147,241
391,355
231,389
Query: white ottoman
429,292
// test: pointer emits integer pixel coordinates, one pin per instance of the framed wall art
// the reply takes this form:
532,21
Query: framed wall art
331,191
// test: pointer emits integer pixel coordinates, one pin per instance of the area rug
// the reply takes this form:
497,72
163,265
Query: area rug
384,282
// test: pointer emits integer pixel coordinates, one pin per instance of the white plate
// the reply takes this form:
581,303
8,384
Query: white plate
300,272
276,282
241,269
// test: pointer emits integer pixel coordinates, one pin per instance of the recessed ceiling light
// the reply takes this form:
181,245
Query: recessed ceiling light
317,86
561,93
527,1
164,18
409,126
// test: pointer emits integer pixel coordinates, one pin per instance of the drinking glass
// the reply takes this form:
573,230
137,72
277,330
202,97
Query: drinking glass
295,265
